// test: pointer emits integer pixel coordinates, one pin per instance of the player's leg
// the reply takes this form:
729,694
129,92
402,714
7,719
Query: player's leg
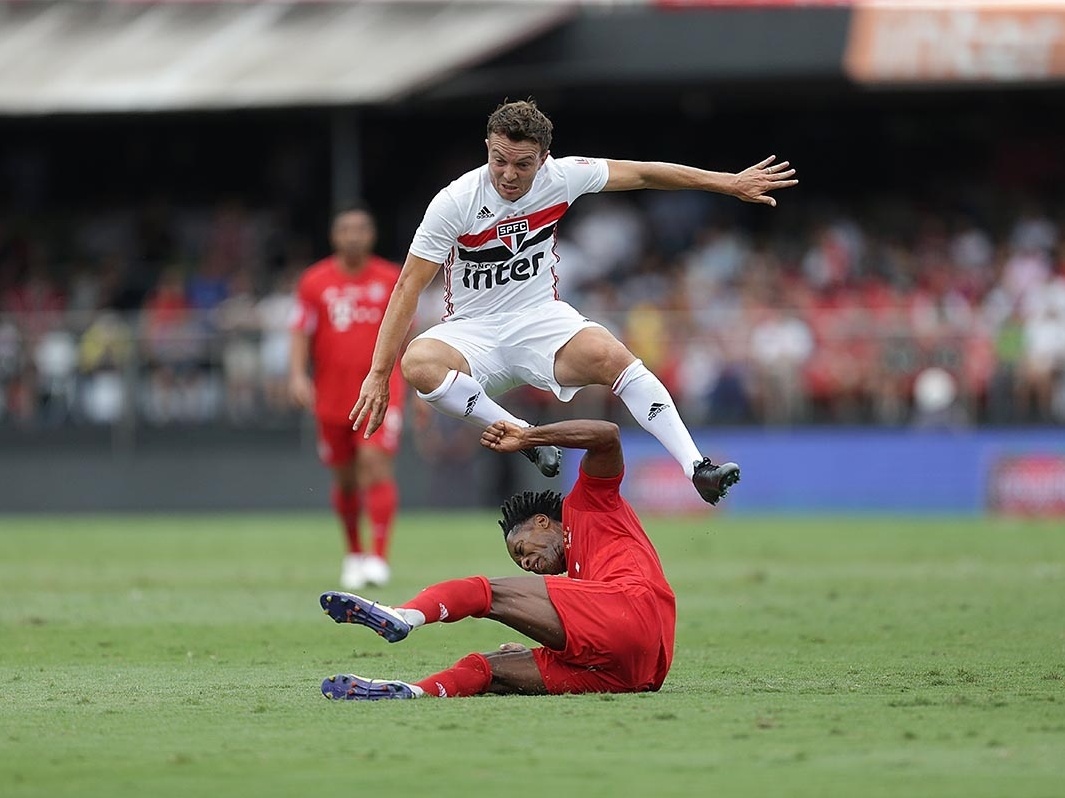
520,602
523,604
507,671
336,448
595,357
375,472
515,670
610,658
512,669
442,375
381,498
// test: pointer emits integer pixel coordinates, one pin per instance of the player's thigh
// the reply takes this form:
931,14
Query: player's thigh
522,603
560,676
478,344
427,361
515,672
591,357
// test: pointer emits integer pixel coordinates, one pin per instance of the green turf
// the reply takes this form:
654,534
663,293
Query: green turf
858,657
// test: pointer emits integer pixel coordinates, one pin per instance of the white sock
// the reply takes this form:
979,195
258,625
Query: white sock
418,692
651,405
461,396
415,618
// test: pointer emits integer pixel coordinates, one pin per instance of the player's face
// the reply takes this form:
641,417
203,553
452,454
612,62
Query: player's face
353,234
536,546
512,165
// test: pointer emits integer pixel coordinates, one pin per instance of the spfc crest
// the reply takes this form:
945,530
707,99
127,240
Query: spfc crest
512,233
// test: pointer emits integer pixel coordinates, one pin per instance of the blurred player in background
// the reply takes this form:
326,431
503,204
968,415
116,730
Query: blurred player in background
606,627
341,301
492,231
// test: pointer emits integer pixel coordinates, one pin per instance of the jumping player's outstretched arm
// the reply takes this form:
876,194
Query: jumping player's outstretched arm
750,185
600,440
373,397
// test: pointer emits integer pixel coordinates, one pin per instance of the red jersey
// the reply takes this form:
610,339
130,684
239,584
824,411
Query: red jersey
605,542
342,314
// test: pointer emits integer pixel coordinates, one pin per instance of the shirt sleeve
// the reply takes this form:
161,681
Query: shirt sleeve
439,230
583,175
595,494
304,315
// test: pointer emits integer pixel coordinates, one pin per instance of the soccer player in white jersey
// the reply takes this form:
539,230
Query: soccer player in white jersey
492,231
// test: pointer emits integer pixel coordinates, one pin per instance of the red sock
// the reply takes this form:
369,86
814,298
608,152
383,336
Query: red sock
471,675
453,600
382,498
346,506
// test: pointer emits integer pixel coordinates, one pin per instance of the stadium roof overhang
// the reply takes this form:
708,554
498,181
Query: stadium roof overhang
91,57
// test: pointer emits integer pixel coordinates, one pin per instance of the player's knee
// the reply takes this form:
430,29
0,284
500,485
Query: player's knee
425,364
597,361
416,366
375,469
610,361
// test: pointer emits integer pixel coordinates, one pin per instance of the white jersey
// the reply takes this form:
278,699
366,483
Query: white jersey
498,256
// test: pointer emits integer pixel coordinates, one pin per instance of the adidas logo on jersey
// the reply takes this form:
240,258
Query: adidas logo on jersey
470,403
484,213
656,408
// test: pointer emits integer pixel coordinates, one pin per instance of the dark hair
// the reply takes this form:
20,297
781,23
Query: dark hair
523,506
521,121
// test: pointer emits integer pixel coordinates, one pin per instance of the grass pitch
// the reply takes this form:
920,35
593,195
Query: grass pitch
147,656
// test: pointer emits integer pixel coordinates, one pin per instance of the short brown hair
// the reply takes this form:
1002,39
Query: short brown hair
521,121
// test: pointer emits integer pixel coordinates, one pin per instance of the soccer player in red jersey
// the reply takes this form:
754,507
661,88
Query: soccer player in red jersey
607,626
340,303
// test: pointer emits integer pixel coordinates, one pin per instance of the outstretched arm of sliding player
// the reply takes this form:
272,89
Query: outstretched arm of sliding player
373,397
601,441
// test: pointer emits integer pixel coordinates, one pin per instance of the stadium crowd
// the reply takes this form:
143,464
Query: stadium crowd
177,315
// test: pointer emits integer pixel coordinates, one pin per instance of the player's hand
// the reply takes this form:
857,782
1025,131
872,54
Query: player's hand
371,405
301,391
513,647
753,183
502,436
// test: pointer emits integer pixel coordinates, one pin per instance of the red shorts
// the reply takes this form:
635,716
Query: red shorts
614,639
337,443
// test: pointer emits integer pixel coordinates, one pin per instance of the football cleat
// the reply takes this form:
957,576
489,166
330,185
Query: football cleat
376,571
349,608
547,458
349,687
352,576
713,481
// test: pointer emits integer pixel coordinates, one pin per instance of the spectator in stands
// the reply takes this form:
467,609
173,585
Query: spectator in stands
103,360
174,352
781,344
274,314
1042,360
238,325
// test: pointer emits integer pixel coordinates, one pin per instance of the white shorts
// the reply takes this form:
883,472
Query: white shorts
506,350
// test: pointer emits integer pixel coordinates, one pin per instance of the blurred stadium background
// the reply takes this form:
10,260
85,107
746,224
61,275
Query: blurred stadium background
891,337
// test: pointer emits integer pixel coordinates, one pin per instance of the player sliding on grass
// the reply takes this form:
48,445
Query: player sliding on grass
605,627
493,232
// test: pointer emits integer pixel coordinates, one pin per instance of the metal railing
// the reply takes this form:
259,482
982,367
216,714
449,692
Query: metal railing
771,366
